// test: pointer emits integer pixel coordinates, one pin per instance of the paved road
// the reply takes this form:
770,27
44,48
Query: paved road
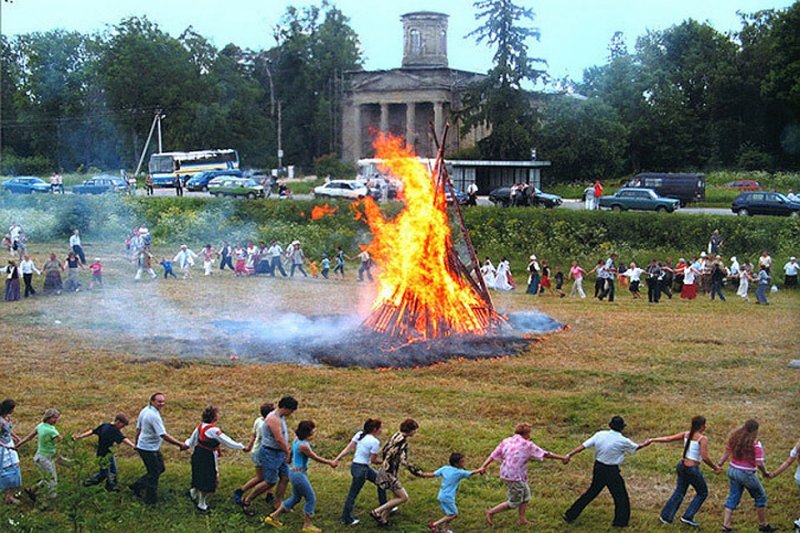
576,205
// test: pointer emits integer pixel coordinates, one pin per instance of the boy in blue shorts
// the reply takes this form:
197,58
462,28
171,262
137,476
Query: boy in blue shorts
451,475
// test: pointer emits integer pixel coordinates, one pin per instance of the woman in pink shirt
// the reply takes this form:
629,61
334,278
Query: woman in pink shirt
746,455
577,273
515,452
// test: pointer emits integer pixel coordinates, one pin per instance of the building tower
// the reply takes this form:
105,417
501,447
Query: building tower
424,40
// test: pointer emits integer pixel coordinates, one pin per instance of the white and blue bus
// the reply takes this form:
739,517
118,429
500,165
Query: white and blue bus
166,167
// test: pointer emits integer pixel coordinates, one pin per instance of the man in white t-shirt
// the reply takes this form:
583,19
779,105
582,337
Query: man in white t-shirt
150,431
610,448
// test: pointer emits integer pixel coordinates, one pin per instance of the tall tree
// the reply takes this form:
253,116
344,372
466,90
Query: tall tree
499,100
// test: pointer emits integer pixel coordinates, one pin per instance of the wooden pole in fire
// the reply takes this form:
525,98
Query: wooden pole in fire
443,176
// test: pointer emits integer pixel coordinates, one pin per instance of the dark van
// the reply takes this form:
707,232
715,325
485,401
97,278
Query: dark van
684,187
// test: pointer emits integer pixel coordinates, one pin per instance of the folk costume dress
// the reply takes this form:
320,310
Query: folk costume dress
206,440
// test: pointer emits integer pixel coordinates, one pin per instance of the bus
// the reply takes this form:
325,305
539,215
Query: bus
167,167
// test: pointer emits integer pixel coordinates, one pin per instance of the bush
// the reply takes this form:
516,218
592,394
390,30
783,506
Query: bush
331,165
14,165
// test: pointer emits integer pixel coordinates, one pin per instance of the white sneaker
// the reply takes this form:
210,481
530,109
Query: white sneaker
797,522
688,522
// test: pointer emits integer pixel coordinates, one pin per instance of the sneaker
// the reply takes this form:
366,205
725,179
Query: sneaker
797,522
688,522
767,528
237,496
661,519
268,520
351,522
393,510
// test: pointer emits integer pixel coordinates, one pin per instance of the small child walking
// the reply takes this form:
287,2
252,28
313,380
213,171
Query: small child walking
313,269
46,454
108,434
560,282
167,264
326,266
338,267
451,475
96,268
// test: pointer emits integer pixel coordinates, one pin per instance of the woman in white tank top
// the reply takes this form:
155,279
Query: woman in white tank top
695,451
794,455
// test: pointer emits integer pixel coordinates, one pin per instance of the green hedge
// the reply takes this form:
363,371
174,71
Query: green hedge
559,234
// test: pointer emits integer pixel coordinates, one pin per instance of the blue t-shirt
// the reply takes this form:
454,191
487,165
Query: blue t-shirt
451,477
299,459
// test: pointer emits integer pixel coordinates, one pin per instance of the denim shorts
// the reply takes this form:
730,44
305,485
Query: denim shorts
741,481
255,457
273,464
449,507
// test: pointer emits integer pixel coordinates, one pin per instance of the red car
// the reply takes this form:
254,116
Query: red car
744,185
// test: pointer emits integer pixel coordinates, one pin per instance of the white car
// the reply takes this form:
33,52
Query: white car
350,189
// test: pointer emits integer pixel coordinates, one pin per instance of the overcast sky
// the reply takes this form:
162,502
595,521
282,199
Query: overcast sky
575,33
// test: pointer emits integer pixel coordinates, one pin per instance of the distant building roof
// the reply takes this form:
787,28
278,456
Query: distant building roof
480,163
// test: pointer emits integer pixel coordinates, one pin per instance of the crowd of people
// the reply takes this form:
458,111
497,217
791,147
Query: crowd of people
242,259
280,461
706,272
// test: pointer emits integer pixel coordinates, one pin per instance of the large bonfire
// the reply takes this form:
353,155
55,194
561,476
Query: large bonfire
426,290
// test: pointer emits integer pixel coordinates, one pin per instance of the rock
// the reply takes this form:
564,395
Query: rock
794,363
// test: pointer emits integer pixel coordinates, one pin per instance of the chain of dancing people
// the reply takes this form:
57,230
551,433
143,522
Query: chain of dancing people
280,459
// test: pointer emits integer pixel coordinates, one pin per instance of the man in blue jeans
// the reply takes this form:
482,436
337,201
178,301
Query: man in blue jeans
273,454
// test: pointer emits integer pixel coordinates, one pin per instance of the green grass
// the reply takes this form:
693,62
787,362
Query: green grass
657,366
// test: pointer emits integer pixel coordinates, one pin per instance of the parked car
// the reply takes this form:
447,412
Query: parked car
684,187
26,185
199,182
744,185
377,184
639,200
531,196
350,189
461,197
765,203
235,187
101,185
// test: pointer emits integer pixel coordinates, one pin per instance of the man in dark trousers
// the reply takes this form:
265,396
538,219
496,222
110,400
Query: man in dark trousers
608,273
179,186
610,447
150,431
654,275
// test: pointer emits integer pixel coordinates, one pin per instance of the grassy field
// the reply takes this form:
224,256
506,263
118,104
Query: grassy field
97,352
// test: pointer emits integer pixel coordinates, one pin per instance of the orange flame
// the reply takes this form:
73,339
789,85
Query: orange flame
420,293
323,210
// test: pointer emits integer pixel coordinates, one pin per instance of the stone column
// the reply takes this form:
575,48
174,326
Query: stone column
385,117
438,117
356,131
410,126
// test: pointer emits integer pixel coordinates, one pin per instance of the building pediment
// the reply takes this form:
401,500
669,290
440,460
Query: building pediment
411,79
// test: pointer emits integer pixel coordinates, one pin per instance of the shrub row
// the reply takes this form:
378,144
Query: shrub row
560,234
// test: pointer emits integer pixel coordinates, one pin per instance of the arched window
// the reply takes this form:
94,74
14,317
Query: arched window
415,42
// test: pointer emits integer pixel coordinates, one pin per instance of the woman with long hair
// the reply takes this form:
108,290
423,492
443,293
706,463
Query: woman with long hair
695,451
366,447
746,455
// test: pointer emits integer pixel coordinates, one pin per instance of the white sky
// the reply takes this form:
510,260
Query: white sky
575,33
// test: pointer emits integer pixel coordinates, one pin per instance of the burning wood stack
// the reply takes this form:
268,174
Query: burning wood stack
427,290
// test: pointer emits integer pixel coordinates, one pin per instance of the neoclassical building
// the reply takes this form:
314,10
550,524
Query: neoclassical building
406,100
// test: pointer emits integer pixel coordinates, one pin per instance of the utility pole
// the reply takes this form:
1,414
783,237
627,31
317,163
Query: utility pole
280,147
150,136
159,117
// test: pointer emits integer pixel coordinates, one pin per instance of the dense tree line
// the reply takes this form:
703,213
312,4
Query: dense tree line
687,98
75,101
